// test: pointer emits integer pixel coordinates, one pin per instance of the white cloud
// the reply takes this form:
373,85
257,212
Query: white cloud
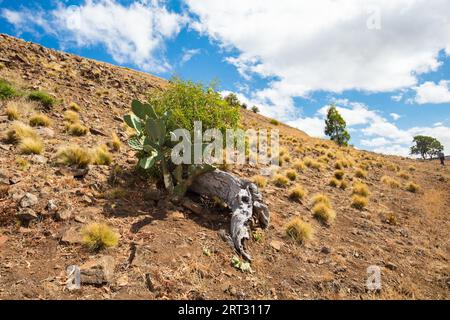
395,116
325,44
429,92
131,34
314,126
189,54
438,124
397,98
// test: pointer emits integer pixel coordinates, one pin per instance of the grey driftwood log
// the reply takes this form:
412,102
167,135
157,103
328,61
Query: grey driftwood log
242,197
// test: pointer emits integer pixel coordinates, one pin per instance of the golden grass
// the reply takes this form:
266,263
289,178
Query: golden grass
74,107
19,130
12,112
40,120
360,173
299,230
22,163
412,187
291,175
403,174
71,116
343,185
320,198
323,212
31,145
391,182
74,155
77,129
334,182
311,163
98,236
260,181
101,156
115,142
280,180
298,165
339,174
115,193
297,193
359,202
361,189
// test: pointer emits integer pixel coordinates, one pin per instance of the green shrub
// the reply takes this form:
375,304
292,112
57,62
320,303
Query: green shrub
189,102
97,236
43,98
7,91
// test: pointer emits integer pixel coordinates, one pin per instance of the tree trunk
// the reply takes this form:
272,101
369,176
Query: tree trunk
243,199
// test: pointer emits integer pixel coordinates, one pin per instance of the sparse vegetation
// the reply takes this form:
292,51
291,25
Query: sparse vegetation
391,182
115,142
115,193
339,174
280,181
323,212
255,109
360,173
101,156
274,122
291,175
74,155
403,174
43,98
7,91
412,187
311,163
12,112
260,181
31,145
297,193
299,230
77,129
98,236
320,198
334,182
74,107
22,163
359,202
298,165
71,116
19,130
361,189
40,120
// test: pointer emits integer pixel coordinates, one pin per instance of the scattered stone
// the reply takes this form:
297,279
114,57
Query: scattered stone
98,271
28,200
26,215
72,236
276,244
52,206
3,240
326,250
4,179
15,179
122,281
5,147
63,215
176,215
46,132
390,266
86,199
97,132
39,159
17,195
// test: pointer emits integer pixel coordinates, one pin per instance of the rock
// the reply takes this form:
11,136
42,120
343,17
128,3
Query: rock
176,215
28,200
39,159
5,147
98,271
52,206
72,236
149,283
326,250
86,199
26,215
15,179
276,244
17,195
63,215
97,132
390,266
122,281
154,195
4,179
46,132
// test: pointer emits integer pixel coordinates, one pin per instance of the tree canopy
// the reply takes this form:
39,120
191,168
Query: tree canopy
426,146
335,127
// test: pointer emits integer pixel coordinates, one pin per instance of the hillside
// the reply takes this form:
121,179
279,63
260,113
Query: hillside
166,251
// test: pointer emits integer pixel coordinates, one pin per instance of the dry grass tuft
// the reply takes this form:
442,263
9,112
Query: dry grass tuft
361,189
77,129
19,131
297,193
360,173
280,180
98,236
31,145
74,107
71,116
324,212
320,198
412,187
115,142
101,156
339,174
391,182
74,155
12,112
260,181
299,231
298,165
291,175
40,120
359,202
403,174
334,182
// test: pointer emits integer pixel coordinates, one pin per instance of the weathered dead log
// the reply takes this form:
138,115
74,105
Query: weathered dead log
243,199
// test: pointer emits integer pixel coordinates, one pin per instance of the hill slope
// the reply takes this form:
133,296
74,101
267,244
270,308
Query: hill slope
166,251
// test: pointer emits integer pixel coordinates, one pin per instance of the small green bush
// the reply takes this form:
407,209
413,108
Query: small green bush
43,98
7,91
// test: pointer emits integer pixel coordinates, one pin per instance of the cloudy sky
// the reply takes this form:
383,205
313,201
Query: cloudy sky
385,63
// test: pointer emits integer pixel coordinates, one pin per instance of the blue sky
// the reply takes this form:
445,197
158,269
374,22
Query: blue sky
385,64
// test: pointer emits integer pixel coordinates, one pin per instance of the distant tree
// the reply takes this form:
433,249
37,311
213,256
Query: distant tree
335,127
232,100
255,109
244,106
426,146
